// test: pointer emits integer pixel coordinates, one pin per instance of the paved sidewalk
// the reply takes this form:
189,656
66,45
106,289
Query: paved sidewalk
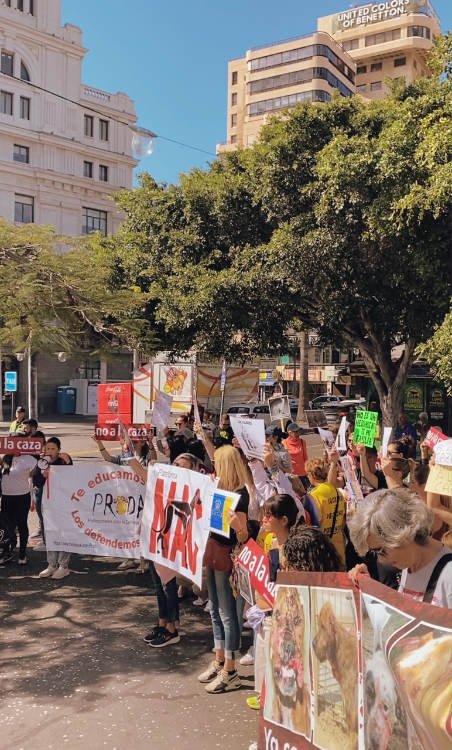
77,674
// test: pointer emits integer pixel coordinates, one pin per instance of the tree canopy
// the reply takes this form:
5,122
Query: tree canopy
338,219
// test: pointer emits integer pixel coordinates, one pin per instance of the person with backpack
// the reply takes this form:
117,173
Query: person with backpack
395,525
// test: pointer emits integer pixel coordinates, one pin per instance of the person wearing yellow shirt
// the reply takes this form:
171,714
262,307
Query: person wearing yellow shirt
326,504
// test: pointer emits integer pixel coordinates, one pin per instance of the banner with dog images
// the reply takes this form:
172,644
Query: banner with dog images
176,519
93,509
355,670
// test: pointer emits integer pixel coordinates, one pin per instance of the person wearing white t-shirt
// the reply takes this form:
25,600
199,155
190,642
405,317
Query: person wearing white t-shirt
16,497
396,525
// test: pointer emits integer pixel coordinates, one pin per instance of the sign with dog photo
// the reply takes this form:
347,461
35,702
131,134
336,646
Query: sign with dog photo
349,669
176,519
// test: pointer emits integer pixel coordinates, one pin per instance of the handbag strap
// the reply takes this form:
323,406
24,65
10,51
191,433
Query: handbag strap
433,580
333,525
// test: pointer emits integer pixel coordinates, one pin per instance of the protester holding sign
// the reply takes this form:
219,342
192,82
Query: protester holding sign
221,675
16,499
395,525
57,562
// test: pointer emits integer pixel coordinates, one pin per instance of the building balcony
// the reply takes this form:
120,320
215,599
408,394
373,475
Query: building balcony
118,102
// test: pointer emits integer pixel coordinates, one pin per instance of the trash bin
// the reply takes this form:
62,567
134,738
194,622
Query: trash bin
66,399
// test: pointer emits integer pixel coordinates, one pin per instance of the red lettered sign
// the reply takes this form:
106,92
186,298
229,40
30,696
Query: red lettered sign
18,445
113,431
255,561
434,436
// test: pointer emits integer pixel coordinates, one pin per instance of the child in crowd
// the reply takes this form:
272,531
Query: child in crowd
57,562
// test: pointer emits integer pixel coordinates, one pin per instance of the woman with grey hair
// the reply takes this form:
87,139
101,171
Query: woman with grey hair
395,525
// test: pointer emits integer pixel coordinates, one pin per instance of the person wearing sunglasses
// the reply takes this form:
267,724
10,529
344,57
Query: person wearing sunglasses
395,525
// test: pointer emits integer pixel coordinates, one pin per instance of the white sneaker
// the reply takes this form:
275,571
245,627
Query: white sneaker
22,561
60,573
247,659
128,564
41,547
48,572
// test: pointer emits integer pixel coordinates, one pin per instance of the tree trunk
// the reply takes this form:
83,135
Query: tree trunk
303,379
389,379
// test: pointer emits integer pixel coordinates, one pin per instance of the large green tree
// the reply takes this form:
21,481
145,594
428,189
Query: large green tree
338,219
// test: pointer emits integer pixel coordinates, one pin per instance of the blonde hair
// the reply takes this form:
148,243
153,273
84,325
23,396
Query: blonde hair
318,468
230,469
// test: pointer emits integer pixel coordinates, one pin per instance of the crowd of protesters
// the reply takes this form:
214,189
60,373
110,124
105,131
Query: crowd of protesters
297,507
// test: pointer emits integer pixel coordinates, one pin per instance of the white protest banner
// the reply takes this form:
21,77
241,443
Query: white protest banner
93,509
443,452
351,479
176,519
387,431
440,480
326,436
161,410
222,503
279,408
251,435
341,439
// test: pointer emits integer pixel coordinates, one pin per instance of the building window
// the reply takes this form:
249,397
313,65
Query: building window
376,86
301,53
32,7
399,62
8,3
296,77
7,64
233,121
361,88
422,31
87,169
361,69
282,102
6,103
351,44
103,130
88,125
376,67
94,220
24,74
103,173
234,78
24,108
20,5
24,209
233,139
21,153
234,99
384,36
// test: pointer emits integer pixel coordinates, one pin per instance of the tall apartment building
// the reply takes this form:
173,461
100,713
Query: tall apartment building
353,51
387,40
277,76
64,145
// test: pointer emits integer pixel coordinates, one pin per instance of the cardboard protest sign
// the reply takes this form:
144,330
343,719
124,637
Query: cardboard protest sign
93,509
253,559
161,409
326,436
251,435
17,445
365,427
440,480
244,584
222,503
443,452
434,436
352,484
279,408
355,669
387,432
176,519
341,439
316,418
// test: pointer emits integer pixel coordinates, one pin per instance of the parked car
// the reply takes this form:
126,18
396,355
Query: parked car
350,406
319,401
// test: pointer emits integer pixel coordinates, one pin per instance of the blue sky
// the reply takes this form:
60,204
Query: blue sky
171,58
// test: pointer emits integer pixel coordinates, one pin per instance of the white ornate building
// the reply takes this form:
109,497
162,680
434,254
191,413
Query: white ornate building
61,153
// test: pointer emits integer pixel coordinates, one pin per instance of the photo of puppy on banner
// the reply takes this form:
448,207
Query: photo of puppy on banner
287,676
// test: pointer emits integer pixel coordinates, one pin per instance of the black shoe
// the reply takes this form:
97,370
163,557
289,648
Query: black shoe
165,639
7,557
154,633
